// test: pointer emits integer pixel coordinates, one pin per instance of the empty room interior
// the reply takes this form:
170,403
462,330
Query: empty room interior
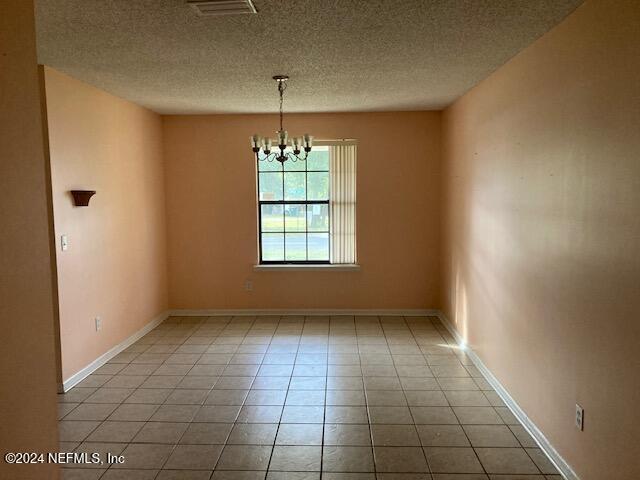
320,239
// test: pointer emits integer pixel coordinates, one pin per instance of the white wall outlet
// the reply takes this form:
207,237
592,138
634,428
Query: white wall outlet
64,243
579,417
248,286
98,324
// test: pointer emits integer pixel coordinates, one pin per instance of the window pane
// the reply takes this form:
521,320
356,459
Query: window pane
318,218
318,246
272,246
318,158
272,218
267,166
296,244
294,186
270,186
318,185
295,220
297,166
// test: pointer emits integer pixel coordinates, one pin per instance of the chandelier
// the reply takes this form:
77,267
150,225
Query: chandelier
297,144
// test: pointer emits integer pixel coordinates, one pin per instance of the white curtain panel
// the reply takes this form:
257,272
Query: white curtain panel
343,203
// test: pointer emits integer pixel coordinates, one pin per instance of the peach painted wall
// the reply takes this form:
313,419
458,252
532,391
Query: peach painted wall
115,266
542,260
211,212
27,354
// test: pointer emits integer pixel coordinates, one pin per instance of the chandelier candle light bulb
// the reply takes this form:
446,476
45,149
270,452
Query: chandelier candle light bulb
297,143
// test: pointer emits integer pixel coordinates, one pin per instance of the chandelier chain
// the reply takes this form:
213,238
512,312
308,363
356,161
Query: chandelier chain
282,86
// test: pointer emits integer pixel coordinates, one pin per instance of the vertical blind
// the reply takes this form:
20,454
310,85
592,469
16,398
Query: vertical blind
343,203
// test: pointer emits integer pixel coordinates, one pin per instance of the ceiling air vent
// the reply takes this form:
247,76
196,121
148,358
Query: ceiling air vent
212,8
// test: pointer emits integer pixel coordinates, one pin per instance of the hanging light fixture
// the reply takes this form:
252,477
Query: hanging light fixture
297,144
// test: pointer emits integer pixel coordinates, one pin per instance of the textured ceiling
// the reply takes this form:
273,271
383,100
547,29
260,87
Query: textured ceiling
341,55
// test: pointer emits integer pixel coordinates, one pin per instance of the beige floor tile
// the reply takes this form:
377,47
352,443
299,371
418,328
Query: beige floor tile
75,431
260,414
109,395
426,398
198,382
253,434
394,436
80,474
128,412
390,415
184,475
433,416
296,458
442,436
403,476
234,383
382,383
467,398
302,414
452,460
348,476
244,457
345,383
125,381
523,436
542,462
345,434
305,398
334,414
346,398
230,475
126,474
271,383
138,455
450,383
161,432
416,383
94,381
388,398
206,433
459,476
347,459
490,436
65,408
507,416
400,460
477,415
154,396
115,432
506,460
92,411
299,434
194,457
175,413
162,381
266,397
226,397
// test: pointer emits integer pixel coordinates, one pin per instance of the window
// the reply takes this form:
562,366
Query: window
296,202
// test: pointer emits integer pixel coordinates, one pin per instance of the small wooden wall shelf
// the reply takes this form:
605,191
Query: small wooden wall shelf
81,197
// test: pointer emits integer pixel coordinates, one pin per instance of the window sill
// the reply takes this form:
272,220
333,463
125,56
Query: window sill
307,268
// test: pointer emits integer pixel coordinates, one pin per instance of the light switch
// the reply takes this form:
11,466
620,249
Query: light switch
64,243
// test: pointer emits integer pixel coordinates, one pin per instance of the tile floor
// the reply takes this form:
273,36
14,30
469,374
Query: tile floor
296,398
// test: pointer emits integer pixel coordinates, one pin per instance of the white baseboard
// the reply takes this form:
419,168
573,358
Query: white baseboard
104,358
305,311
563,467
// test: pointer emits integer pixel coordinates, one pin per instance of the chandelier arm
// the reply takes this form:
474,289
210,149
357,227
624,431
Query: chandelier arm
295,157
267,158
